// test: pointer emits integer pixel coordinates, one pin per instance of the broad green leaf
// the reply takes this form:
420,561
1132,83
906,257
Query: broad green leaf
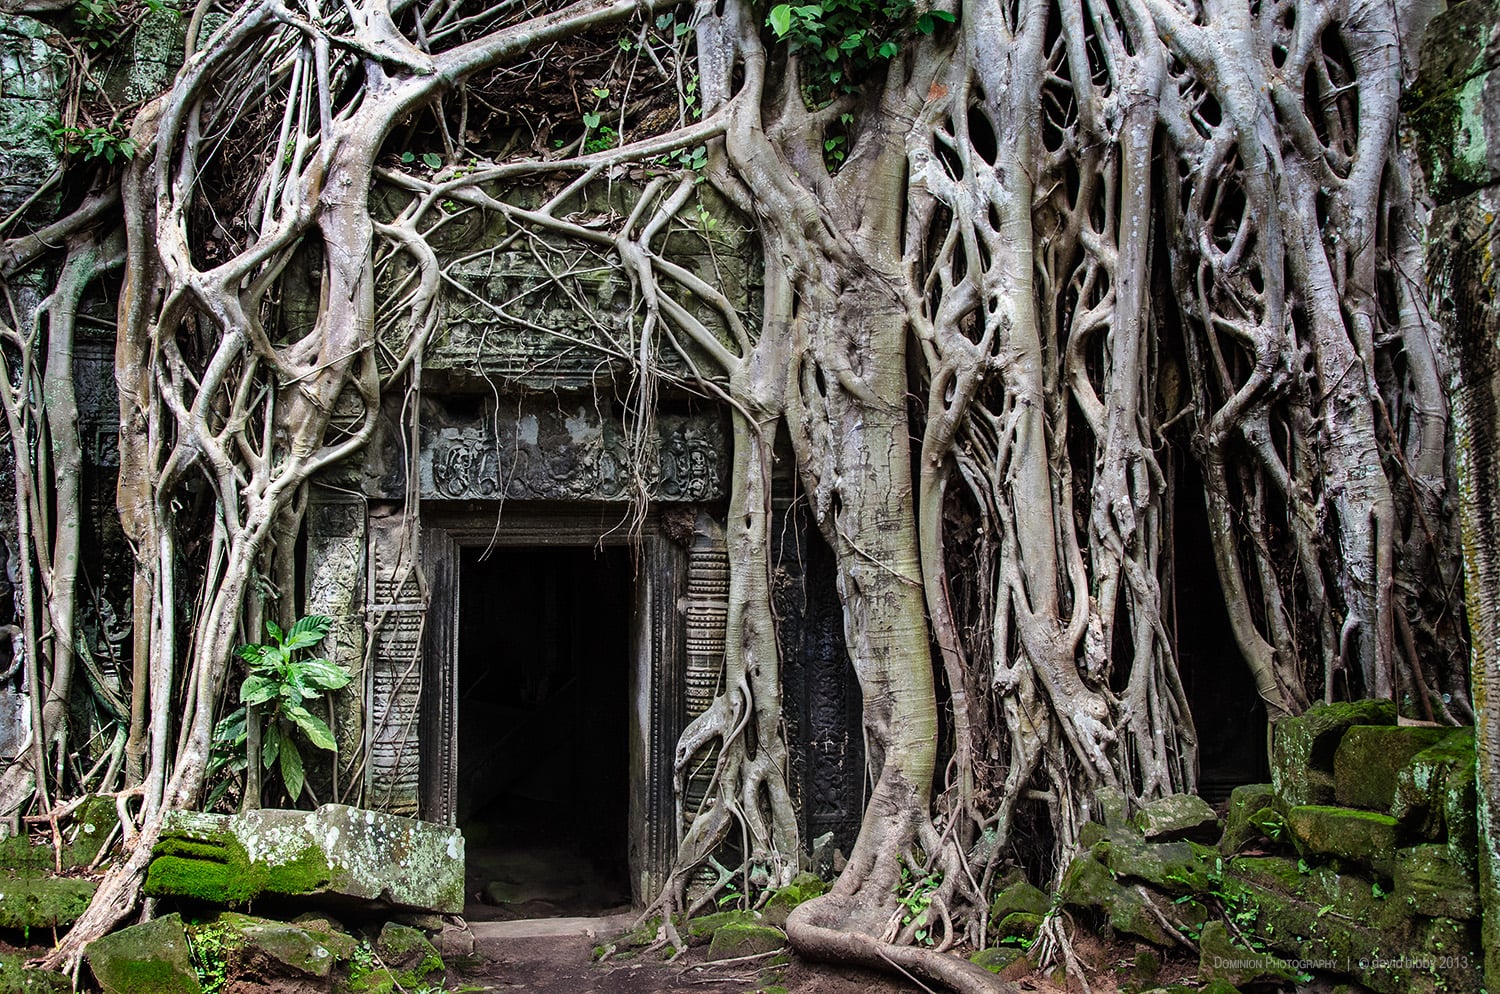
432,160
591,120
309,630
602,92
780,19
291,770
258,689
322,674
231,727
313,727
270,744
274,630
251,653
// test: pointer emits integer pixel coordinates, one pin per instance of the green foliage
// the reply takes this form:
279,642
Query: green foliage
209,956
914,894
277,686
842,40
91,143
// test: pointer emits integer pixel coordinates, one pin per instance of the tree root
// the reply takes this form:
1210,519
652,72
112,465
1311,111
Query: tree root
821,929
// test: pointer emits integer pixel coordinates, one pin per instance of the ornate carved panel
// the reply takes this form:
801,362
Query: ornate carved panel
397,611
551,450
336,581
706,615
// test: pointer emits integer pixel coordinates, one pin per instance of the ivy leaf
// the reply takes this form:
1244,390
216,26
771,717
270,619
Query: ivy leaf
291,770
591,120
602,92
407,158
780,19
432,160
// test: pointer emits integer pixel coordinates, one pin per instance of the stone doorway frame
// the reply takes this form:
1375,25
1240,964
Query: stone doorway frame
658,641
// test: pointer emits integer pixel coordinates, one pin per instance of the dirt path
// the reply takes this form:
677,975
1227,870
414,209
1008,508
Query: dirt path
553,956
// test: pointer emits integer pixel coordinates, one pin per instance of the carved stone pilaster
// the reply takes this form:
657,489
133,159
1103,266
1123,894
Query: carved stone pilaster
396,612
707,612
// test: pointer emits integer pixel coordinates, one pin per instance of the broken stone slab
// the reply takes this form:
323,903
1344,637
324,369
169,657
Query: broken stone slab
1302,748
341,855
1363,837
1178,816
35,901
1435,795
1019,898
1244,801
804,887
1432,883
745,939
270,951
1089,884
1369,759
94,821
1175,867
1223,959
153,956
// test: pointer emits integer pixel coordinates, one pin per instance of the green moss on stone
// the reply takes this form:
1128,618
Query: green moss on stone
700,930
17,978
1244,801
804,887
28,902
997,959
1346,833
744,939
1369,759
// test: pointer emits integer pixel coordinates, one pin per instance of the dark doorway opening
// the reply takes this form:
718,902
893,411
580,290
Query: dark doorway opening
544,659
1229,715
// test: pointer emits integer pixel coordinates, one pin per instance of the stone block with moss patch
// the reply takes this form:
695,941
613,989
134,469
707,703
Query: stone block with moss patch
17,978
343,854
698,931
1432,883
150,958
1175,867
997,958
93,823
33,901
1178,816
1244,801
744,939
804,887
1435,795
1019,925
1225,959
269,950
1020,897
1363,837
1302,748
1369,759
1089,884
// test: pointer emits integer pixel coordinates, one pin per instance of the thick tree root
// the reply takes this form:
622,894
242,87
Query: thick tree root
821,930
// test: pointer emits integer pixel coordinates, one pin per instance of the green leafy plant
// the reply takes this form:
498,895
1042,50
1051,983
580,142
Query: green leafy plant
279,683
914,893
848,37
91,143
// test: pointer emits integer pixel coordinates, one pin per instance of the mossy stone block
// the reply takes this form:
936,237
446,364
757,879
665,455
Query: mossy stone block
997,959
406,949
1019,925
804,887
1019,897
1369,759
260,947
1244,801
150,958
1435,794
745,939
1302,748
93,823
1178,816
1175,867
1363,837
34,901
1089,884
1224,959
698,931
1432,883
17,978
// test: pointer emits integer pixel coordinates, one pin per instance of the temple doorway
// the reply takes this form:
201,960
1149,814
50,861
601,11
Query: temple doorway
544,660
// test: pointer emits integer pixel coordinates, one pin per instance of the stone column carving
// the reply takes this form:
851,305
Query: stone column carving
707,612
395,614
336,587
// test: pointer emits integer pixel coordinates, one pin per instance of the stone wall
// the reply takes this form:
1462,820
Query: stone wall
1455,112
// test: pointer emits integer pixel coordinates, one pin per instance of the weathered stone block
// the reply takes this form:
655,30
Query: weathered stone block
1302,748
804,887
1089,884
1435,795
341,854
28,902
1346,833
150,958
1019,897
17,978
1432,883
1223,959
1019,925
745,939
1175,867
1369,758
93,821
1453,106
1178,816
1243,802
997,958
266,949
